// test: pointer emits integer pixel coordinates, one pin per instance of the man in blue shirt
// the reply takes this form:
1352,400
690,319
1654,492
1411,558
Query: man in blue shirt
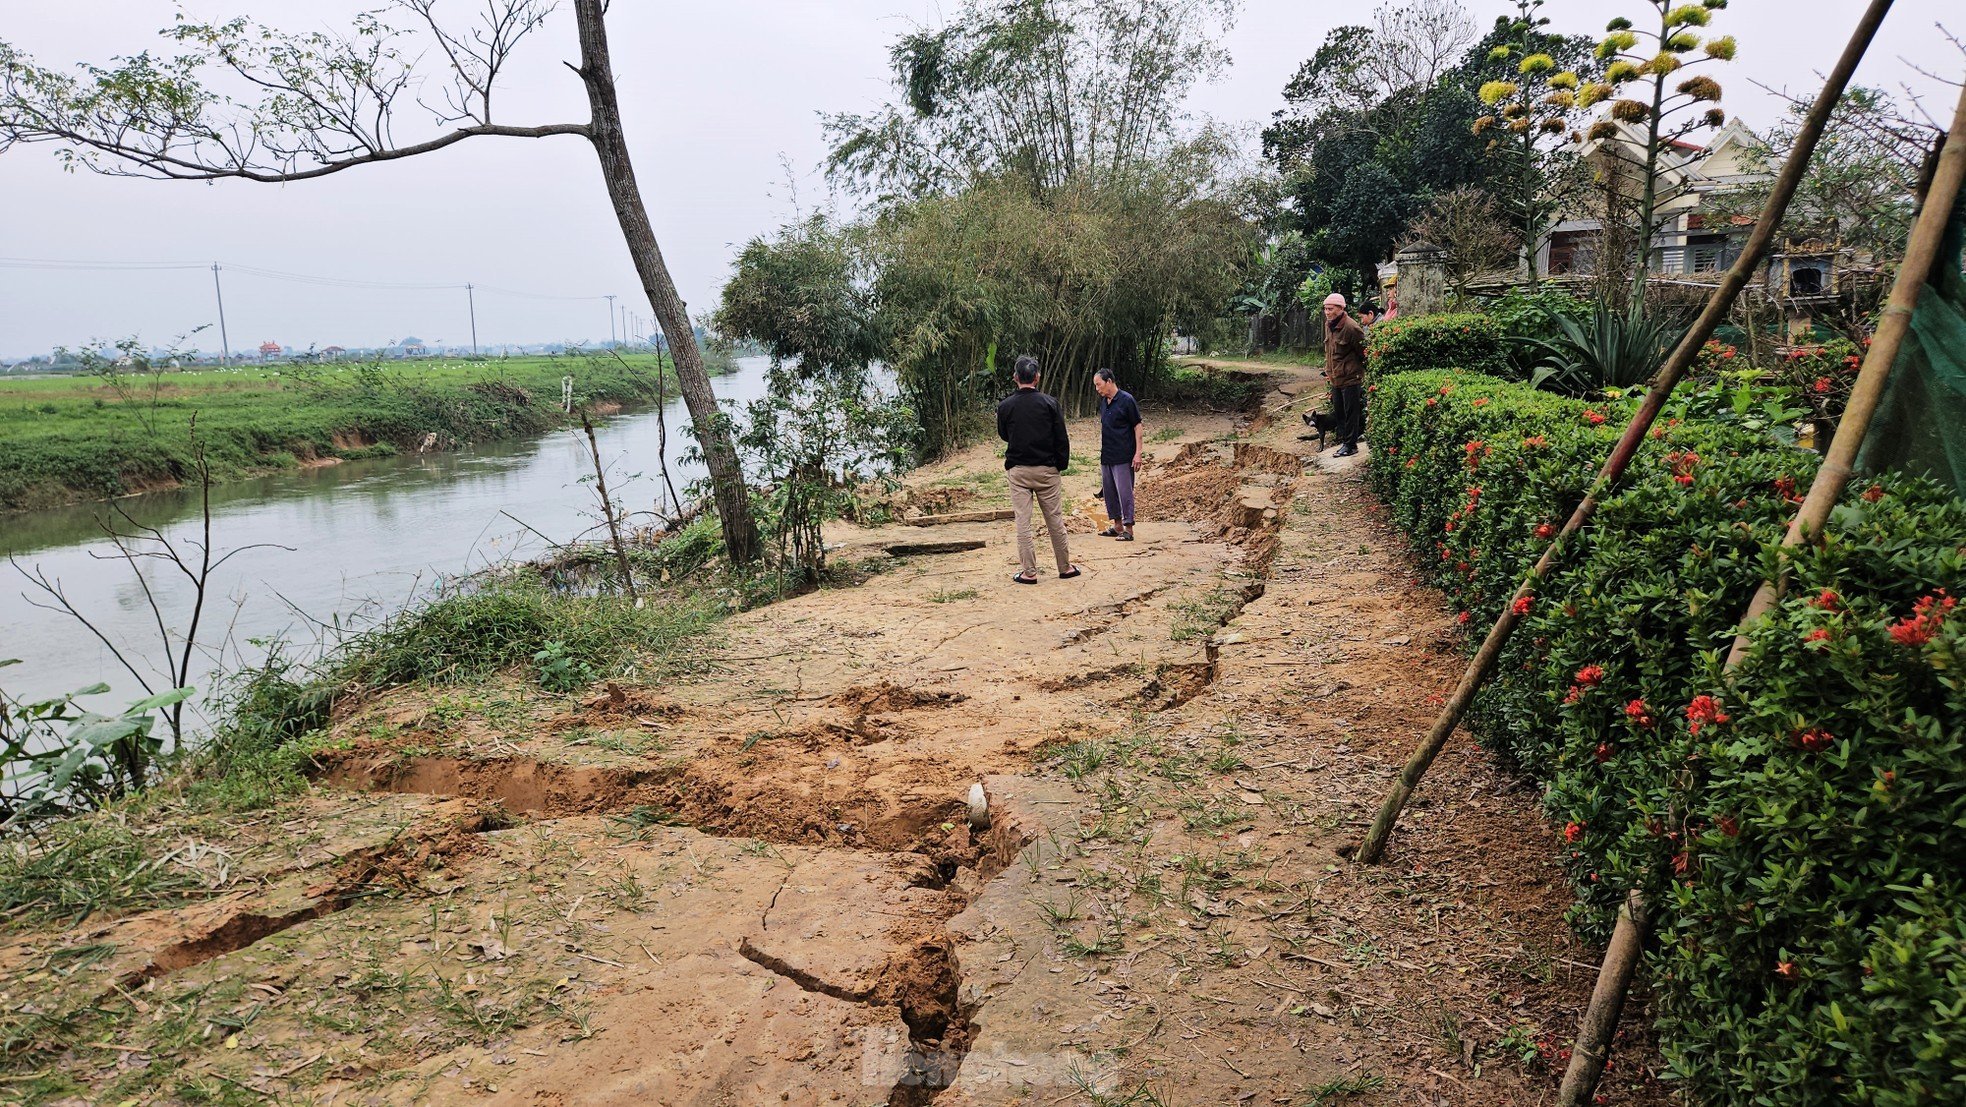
1122,440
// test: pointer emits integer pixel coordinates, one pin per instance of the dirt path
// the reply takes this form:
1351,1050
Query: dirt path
762,885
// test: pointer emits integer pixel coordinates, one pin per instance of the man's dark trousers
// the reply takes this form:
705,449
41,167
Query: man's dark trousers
1348,408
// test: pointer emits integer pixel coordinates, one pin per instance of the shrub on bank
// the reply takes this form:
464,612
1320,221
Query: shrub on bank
1791,828
1465,340
510,621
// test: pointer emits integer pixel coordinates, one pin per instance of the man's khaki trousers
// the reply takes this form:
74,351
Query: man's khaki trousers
1040,481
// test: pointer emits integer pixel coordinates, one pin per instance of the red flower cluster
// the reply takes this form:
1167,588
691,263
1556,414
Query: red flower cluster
1594,417
1521,605
1820,634
1603,752
1572,831
1480,401
1814,740
1682,463
1638,713
1465,616
1477,452
1874,493
1432,402
1927,615
1535,442
1545,531
1589,675
1785,486
1828,600
1704,711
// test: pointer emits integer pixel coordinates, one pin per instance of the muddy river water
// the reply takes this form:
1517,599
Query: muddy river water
353,541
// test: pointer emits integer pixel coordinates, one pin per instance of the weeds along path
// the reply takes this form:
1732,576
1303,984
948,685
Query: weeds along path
761,885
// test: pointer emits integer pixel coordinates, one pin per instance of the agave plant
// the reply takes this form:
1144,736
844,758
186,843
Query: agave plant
1606,349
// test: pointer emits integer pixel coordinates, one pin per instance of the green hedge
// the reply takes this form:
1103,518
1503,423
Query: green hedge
1457,340
1799,830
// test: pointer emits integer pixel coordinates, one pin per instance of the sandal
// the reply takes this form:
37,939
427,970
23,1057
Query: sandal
1110,532
1126,537
1022,579
1069,573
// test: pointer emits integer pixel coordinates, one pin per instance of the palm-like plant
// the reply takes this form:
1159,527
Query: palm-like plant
1606,349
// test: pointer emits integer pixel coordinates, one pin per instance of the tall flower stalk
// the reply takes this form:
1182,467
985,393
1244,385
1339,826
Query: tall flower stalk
1646,83
1527,110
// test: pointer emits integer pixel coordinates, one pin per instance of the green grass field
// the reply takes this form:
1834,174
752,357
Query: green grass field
64,439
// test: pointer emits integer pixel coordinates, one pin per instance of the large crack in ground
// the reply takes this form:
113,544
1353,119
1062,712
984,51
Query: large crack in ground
930,835
354,875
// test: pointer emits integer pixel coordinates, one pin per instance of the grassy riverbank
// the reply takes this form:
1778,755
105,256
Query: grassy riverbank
66,439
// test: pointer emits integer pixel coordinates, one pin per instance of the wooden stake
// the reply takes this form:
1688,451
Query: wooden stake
1614,978
1373,847
1928,234
607,508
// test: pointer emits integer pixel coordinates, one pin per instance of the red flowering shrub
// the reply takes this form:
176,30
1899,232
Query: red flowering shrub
1821,377
1807,812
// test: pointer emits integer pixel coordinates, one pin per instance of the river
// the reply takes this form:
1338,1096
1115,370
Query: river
354,541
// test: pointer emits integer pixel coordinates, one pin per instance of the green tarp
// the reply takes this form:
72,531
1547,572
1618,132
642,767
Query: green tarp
1920,425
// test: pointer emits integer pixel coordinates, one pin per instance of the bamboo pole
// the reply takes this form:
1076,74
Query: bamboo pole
1928,234
1373,847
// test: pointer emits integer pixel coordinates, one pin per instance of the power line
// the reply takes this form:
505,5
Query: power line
61,265
47,263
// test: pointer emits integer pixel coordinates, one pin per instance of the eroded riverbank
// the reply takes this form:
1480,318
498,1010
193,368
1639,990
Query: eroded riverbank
349,542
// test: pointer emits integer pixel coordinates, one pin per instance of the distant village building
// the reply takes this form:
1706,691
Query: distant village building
268,350
333,353
1695,240
1686,241
409,347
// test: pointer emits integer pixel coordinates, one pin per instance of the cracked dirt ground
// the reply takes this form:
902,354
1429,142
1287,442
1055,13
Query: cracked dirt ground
759,885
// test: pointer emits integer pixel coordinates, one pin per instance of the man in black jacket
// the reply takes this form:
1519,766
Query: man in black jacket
1039,450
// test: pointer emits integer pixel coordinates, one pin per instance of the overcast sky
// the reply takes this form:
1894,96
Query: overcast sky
719,98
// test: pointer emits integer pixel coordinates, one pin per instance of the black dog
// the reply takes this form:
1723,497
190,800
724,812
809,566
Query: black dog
1321,421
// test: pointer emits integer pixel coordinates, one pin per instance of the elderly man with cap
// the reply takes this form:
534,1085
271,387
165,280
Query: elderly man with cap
1344,367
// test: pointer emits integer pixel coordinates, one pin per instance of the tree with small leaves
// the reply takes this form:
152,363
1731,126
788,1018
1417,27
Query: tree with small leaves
314,104
1468,226
1645,84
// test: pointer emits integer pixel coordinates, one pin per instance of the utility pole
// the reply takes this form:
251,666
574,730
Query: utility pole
224,343
610,299
471,298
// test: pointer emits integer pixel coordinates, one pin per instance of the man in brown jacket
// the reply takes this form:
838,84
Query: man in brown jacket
1344,366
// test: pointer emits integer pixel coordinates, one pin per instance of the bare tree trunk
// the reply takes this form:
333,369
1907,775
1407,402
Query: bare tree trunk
712,433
